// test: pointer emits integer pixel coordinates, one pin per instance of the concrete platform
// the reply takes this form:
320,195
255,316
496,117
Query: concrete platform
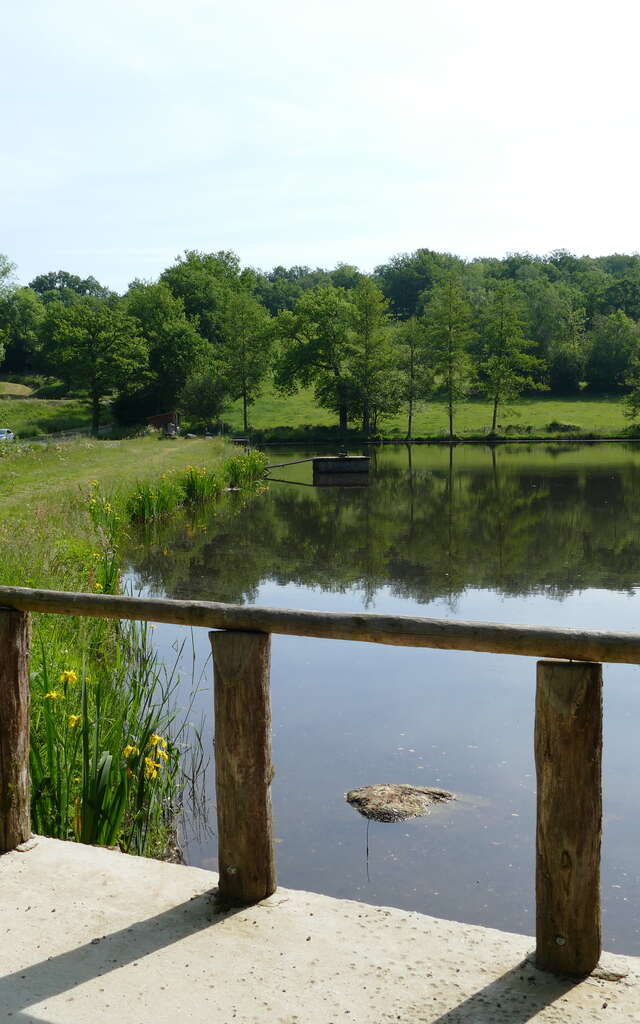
91,935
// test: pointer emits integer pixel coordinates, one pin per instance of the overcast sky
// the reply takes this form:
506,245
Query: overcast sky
314,131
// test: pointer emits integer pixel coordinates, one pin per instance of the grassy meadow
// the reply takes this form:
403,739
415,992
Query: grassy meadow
540,416
32,417
274,416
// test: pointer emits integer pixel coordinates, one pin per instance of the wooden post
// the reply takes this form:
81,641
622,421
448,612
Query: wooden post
568,750
244,771
15,636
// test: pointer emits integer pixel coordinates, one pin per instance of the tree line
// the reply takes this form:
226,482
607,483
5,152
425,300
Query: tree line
424,325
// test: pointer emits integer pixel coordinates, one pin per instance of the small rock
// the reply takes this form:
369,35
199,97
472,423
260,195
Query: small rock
396,801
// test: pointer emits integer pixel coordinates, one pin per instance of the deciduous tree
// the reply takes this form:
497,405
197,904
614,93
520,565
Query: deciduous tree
506,367
95,347
317,346
245,349
412,359
447,321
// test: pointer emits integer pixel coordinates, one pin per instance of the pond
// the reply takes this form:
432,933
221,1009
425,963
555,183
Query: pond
536,534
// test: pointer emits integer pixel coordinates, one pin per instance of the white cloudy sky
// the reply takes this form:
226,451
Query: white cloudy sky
314,131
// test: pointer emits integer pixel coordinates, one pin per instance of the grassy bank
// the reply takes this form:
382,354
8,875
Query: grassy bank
106,756
31,417
276,417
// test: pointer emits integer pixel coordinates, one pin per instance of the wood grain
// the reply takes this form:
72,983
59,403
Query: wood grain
398,630
244,769
15,636
568,751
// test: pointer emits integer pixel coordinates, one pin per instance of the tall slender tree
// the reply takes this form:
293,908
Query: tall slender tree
245,350
374,379
506,367
412,360
447,322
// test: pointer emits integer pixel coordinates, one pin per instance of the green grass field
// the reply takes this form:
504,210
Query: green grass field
538,416
49,479
29,417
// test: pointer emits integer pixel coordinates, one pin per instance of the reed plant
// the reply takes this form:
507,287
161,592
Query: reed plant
241,470
152,500
105,756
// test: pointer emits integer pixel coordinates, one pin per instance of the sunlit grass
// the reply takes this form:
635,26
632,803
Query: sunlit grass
29,417
541,415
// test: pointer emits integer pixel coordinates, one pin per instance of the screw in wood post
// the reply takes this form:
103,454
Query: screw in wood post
15,637
568,752
244,770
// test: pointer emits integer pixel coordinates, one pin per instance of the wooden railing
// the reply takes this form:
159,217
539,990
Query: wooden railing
568,738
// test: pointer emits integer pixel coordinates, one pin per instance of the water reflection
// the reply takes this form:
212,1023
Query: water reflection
432,524
538,534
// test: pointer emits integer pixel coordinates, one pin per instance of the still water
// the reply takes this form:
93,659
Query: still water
534,534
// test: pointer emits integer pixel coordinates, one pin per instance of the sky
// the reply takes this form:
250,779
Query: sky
314,132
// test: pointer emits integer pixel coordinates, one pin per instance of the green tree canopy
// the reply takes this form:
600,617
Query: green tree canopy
203,280
447,321
96,347
204,393
173,343
245,349
21,316
613,346
317,345
506,367
374,381
412,360
61,286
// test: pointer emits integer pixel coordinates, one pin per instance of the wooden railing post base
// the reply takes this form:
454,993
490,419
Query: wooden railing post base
244,771
568,750
15,637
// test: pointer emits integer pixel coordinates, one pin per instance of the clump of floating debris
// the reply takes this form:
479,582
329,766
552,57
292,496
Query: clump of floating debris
396,801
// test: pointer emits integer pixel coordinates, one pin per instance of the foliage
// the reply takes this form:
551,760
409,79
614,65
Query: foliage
614,343
194,485
202,281
245,350
102,769
202,326
447,320
61,286
204,394
317,347
412,359
375,384
21,315
107,741
93,345
173,345
506,368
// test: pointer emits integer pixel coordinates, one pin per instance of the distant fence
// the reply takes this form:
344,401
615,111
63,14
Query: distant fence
568,737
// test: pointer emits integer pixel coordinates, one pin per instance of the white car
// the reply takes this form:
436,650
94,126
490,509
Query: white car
6,434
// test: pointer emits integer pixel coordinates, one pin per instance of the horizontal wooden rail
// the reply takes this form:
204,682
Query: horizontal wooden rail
399,630
568,738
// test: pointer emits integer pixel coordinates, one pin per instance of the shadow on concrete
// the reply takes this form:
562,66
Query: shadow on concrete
515,998
101,955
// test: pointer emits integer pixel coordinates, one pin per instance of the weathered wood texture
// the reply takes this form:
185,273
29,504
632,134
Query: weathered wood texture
244,769
15,635
399,630
568,750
